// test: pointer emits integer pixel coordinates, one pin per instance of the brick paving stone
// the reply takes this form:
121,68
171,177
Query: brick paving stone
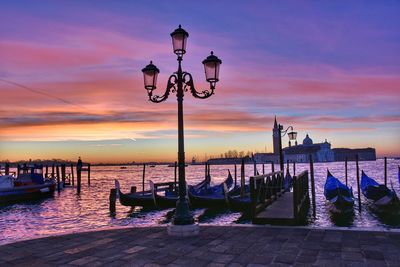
215,264
375,255
287,259
352,256
262,259
375,263
134,249
306,259
83,261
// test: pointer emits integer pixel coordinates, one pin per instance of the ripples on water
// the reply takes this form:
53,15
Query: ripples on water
68,212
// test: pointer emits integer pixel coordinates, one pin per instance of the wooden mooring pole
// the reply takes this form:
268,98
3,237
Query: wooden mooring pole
143,176
385,171
72,174
255,168
88,174
242,178
113,200
7,169
313,186
47,171
235,175
294,168
358,184
345,170
263,168
63,174
175,173
58,179
272,166
78,176
52,170
205,170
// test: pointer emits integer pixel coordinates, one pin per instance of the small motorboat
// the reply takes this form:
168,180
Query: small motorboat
29,184
380,194
143,199
338,193
206,196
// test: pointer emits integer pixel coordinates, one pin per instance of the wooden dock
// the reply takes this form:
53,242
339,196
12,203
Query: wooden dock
272,205
279,212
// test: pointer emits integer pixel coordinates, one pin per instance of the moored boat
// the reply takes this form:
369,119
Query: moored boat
338,193
239,198
29,184
143,199
206,196
380,194
165,194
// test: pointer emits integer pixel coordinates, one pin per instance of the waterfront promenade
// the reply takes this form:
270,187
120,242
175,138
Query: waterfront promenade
215,246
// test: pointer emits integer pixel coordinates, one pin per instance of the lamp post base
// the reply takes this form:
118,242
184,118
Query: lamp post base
183,216
183,230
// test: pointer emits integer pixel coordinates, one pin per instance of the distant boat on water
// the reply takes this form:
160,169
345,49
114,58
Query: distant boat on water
123,167
173,165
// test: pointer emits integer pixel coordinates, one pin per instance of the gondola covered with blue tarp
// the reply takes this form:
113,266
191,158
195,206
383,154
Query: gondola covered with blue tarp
379,193
338,193
206,196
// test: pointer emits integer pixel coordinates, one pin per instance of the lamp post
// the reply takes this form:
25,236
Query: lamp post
292,136
179,83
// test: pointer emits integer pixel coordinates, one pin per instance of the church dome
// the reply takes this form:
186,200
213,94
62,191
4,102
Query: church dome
307,141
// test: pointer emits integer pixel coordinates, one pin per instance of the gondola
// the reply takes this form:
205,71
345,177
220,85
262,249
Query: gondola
239,197
238,200
143,199
380,194
337,193
205,196
165,194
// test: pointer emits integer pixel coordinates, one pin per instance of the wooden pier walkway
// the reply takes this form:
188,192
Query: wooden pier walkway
279,212
272,205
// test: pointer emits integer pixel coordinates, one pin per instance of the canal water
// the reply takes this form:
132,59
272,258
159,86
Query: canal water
68,212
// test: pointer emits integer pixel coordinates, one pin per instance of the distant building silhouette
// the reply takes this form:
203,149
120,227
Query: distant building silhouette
321,152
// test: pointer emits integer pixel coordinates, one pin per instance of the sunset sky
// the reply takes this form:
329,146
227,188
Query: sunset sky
71,82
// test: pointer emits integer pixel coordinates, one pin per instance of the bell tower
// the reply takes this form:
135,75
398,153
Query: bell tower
275,137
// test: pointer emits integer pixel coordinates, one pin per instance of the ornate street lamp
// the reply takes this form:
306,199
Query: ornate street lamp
292,137
178,83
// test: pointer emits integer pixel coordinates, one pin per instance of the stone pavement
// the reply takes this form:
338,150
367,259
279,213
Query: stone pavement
215,246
